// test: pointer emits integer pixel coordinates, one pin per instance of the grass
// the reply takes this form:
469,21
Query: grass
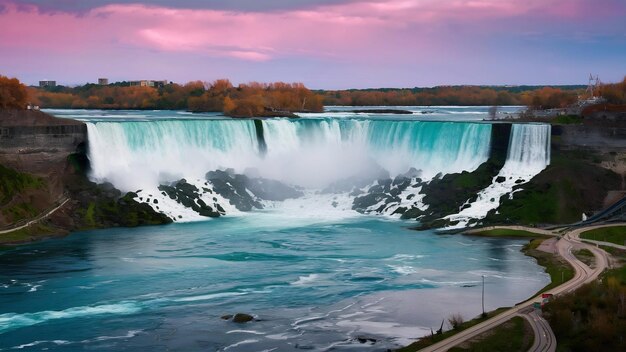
13,182
19,212
430,340
512,336
508,233
567,120
585,256
558,269
29,234
616,234
615,252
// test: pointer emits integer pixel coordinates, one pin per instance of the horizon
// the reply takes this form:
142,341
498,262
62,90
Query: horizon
327,45
76,85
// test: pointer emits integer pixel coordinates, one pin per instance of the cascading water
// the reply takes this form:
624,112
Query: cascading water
309,153
528,154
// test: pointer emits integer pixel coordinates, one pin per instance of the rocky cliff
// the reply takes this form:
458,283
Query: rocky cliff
43,163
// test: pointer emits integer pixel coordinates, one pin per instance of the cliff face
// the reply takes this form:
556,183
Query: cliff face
607,138
42,163
37,143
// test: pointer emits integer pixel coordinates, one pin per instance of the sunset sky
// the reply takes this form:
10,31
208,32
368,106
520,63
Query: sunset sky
322,43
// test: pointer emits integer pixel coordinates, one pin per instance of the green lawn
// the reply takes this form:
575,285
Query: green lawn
616,234
585,256
515,335
509,233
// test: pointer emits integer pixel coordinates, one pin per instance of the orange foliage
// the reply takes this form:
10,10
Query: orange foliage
457,95
252,99
614,93
550,98
13,94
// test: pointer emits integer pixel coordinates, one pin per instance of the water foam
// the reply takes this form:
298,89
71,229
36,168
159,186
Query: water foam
10,321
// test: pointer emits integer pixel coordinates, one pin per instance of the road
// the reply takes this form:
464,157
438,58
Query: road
582,275
545,341
37,219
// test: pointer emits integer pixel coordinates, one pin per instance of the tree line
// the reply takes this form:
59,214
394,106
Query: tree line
245,100
533,96
283,99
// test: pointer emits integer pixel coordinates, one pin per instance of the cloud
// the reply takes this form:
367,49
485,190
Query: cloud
369,32
326,31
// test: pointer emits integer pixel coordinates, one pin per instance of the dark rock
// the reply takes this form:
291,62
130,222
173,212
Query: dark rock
365,339
500,179
412,213
241,318
189,196
400,210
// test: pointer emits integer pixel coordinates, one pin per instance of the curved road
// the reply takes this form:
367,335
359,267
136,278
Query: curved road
37,219
545,341
583,274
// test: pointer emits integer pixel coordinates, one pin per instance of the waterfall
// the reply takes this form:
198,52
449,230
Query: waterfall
528,154
306,152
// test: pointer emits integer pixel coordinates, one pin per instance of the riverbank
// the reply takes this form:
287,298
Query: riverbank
546,256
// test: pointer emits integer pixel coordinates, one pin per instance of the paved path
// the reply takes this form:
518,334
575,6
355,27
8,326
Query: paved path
582,275
545,341
37,219
519,228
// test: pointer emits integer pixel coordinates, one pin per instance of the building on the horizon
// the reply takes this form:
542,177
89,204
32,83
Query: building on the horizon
46,83
103,81
149,83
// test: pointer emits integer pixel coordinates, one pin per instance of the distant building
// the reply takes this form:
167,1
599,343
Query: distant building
47,84
149,83
103,81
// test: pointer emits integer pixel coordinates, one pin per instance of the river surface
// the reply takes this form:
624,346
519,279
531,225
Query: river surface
314,277
311,285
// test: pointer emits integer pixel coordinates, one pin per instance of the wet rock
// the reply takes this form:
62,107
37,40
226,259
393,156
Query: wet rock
189,196
366,339
500,179
241,318
245,193
227,317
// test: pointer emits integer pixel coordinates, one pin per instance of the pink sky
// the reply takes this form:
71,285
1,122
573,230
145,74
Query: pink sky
347,44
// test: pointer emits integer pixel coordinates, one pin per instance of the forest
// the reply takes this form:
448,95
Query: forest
245,100
538,97
283,99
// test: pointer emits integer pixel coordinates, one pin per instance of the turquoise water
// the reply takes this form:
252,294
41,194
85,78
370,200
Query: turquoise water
315,274
311,284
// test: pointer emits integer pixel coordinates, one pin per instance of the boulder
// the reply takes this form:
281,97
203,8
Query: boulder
241,318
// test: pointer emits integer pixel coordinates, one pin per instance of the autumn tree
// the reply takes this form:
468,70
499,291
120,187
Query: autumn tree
13,94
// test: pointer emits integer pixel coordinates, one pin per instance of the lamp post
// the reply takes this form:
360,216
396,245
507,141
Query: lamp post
483,295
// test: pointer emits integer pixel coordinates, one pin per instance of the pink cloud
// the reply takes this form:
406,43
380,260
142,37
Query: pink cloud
353,30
